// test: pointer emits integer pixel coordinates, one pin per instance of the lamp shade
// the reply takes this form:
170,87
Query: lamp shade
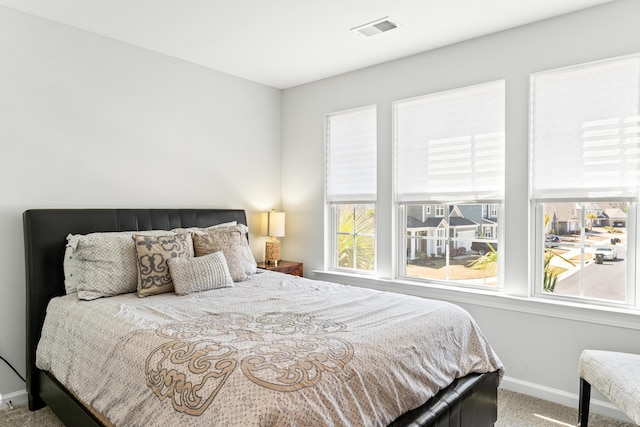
272,224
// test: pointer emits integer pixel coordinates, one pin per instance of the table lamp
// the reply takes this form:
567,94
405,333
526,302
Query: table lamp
272,226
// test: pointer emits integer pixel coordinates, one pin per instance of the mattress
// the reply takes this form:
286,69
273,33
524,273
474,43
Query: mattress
274,350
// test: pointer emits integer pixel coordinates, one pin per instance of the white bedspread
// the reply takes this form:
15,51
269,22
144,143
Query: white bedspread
275,350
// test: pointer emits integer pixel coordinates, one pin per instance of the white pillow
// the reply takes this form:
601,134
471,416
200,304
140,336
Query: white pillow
249,262
199,274
71,265
200,230
105,263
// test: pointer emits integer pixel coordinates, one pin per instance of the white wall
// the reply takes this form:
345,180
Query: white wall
538,351
86,121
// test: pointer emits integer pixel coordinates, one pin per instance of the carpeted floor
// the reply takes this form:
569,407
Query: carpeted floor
521,410
514,410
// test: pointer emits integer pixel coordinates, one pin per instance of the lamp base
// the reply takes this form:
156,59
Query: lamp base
272,252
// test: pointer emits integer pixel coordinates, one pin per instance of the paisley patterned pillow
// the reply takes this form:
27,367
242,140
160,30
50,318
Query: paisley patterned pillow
229,241
153,253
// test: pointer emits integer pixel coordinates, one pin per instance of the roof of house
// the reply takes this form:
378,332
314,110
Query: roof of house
436,222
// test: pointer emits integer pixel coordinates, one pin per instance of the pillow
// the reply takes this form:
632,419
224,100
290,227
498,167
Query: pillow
71,265
249,262
104,264
200,230
153,252
229,241
199,274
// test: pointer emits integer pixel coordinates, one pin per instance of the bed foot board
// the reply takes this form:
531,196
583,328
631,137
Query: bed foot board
471,401
63,404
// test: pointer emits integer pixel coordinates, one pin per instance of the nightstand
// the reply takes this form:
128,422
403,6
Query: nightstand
289,267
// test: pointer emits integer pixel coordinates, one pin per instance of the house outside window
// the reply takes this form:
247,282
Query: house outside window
449,157
585,175
351,187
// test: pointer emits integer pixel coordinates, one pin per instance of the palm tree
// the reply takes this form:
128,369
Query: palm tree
590,219
549,273
356,241
487,262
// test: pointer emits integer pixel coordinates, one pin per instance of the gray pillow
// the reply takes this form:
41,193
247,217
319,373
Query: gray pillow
72,266
248,260
199,274
103,264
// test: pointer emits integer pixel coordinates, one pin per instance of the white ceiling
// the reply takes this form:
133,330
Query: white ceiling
285,43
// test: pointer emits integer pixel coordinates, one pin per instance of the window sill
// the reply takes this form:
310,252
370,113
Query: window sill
596,314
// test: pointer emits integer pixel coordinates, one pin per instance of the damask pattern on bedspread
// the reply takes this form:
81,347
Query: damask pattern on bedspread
279,351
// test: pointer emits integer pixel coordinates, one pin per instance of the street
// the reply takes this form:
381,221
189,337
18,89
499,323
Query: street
603,281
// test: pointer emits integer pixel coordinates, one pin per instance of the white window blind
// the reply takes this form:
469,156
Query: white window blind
585,131
351,155
450,145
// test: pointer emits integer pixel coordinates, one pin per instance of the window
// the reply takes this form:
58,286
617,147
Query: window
585,255
351,148
450,248
494,211
585,179
449,155
355,232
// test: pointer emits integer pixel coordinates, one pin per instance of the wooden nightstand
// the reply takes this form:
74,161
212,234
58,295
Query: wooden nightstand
289,267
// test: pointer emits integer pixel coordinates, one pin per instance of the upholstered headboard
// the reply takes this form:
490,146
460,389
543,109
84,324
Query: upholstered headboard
45,232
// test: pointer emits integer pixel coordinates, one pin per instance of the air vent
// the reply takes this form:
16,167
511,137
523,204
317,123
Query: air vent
376,27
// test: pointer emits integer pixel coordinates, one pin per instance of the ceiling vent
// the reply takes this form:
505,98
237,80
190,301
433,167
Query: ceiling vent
378,26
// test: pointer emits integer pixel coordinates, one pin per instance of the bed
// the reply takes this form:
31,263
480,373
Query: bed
467,398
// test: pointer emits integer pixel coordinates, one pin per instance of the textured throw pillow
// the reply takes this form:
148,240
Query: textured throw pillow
104,263
152,255
229,241
248,261
199,274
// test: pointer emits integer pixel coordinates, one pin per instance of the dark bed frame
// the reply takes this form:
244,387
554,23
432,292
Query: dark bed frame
468,401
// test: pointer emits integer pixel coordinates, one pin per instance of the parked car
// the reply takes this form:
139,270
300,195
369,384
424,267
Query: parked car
552,239
482,248
608,253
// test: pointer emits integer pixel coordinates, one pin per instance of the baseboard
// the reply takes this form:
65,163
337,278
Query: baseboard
561,397
17,398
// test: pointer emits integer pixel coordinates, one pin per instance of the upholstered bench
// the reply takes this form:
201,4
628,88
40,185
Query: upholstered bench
616,376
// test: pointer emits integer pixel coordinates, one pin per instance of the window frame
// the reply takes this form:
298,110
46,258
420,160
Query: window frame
561,195
538,245
479,146
331,212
